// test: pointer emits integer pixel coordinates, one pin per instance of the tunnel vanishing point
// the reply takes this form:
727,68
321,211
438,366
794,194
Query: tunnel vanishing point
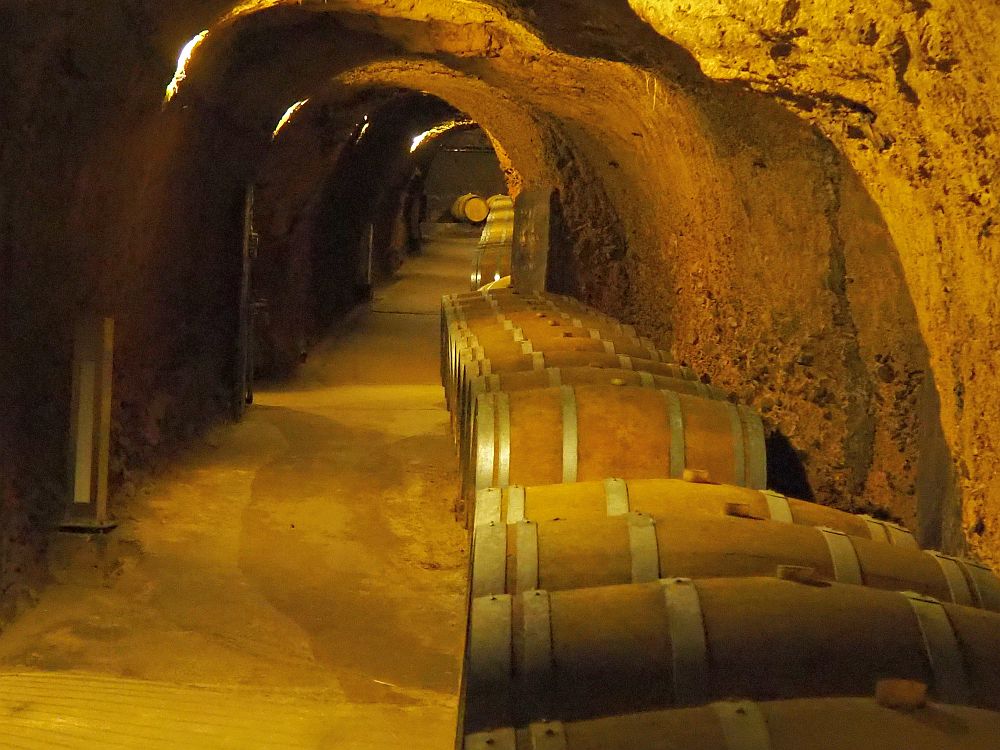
793,198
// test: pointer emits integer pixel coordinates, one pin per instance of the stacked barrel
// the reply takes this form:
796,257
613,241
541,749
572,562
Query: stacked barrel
634,584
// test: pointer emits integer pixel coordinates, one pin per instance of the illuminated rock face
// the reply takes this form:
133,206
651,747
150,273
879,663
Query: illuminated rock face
795,197
906,90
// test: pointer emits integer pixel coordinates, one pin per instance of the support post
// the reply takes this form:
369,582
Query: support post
531,259
90,426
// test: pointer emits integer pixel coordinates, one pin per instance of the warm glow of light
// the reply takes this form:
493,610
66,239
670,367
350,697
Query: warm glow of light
182,62
437,130
364,129
287,116
250,6
496,277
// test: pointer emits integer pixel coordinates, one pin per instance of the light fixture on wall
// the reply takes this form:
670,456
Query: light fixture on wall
289,113
364,129
437,130
182,62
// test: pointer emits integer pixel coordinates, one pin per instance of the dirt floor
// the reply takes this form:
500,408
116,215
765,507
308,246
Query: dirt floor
296,580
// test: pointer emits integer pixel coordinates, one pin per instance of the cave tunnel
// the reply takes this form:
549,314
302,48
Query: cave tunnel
788,206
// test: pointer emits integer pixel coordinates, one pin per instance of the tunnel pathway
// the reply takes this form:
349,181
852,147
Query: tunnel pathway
297,580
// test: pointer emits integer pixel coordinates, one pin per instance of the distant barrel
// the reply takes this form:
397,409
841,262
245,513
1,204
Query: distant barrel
469,207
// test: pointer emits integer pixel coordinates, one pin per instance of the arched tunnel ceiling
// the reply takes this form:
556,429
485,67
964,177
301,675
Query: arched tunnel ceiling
706,153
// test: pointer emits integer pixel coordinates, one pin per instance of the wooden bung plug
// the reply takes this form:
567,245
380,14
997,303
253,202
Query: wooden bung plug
900,694
797,573
739,510
697,476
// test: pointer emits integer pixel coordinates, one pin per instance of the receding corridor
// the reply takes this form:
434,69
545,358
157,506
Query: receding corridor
303,568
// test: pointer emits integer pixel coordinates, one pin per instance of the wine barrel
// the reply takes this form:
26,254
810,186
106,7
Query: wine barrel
471,368
585,653
490,263
500,202
492,259
556,376
576,433
501,283
798,724
636,548
671,498
469,207
553,340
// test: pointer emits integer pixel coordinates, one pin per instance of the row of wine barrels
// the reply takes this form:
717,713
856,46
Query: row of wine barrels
484,334
559,376
576,433
512,305
565,554
594,341
506,299
472,368
798,724
466,349
469,207
503,336
470,304
586,653
504,303
672,498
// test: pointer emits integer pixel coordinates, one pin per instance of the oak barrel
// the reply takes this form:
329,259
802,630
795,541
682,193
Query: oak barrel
585,653
559,376
500,202
803,724
469,207
470,367
501,283
576,433
670,498
565,554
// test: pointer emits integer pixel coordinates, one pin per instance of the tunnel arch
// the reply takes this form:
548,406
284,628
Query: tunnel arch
691,234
